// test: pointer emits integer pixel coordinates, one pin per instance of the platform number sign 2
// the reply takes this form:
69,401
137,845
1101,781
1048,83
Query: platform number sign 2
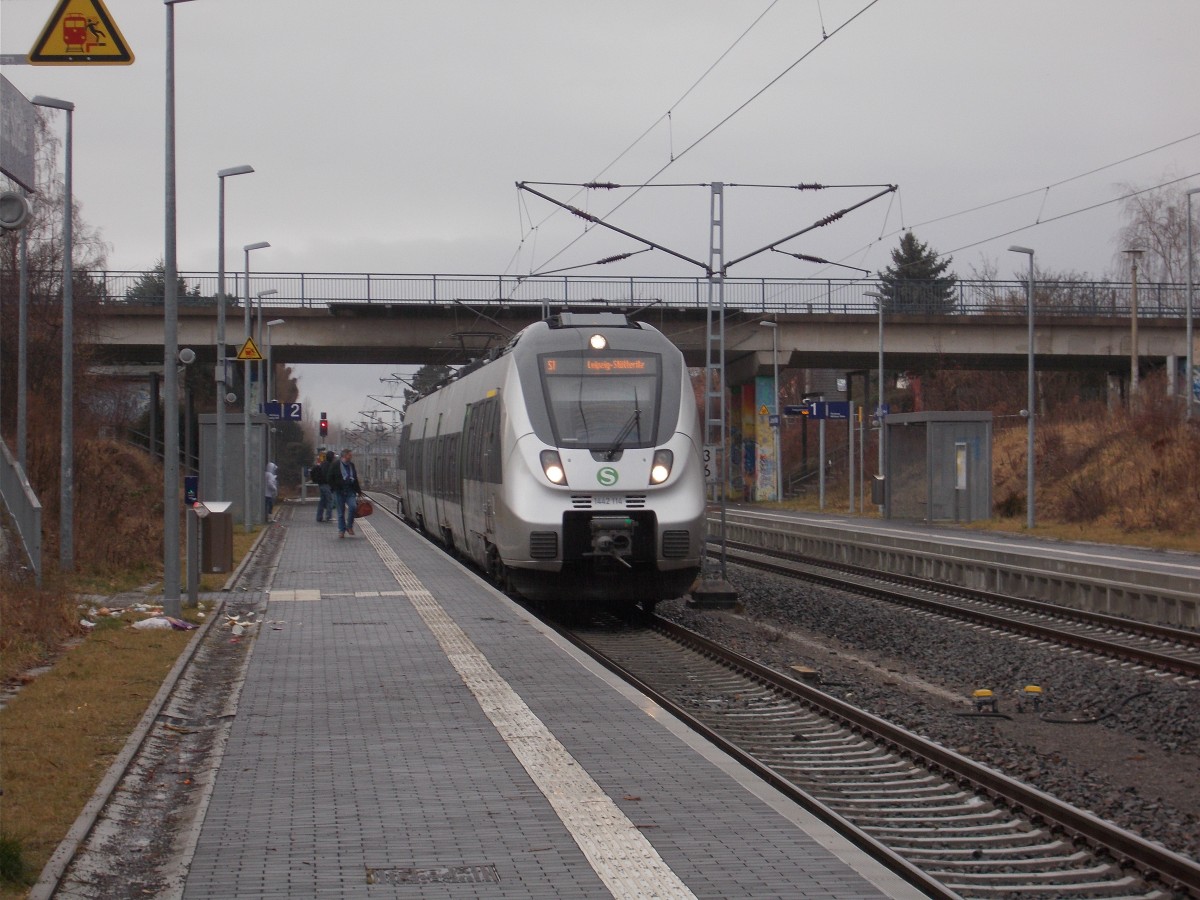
710,464
289,412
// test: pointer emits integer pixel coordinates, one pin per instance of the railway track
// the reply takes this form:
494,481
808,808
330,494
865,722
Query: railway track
951,826
1159,647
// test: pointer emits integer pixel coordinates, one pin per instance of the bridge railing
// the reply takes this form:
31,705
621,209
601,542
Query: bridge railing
752,295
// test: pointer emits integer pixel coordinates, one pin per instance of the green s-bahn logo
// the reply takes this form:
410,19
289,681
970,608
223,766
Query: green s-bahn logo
607,476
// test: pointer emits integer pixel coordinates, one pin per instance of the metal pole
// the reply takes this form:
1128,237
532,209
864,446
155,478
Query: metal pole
246,518
23,353
821,462
268,397
270,385
1133,329
1133,325
218,492
1031,397
879,407
246,399
66,515
258,339
222,387
879,411
1191,362
66,550
171,501
1031,400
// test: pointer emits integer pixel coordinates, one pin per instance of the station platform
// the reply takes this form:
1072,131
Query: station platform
1147,585
405,730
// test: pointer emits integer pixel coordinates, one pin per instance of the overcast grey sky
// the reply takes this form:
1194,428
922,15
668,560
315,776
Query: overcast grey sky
387,137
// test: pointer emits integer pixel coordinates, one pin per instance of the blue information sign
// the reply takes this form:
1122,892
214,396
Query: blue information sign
835,409
291,412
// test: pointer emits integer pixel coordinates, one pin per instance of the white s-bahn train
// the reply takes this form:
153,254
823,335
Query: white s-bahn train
568,466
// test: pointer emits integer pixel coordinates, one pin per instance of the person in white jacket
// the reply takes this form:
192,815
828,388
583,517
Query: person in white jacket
271,486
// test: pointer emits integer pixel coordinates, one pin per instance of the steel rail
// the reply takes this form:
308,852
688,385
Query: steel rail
1145,855
843,826
798,566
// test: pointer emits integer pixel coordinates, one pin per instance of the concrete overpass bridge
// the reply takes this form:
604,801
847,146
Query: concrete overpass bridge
824,323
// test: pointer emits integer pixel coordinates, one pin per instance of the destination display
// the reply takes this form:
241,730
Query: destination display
600,365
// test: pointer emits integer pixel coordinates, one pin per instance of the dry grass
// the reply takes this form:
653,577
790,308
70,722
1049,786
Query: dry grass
61,732
1110,478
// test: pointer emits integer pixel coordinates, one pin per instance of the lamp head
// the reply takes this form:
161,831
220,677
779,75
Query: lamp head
234,170
51,102
261,245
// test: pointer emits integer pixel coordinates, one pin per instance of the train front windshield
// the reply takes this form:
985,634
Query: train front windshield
603,402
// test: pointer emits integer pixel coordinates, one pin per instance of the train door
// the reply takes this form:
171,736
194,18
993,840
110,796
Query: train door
418,478
436,470
465,480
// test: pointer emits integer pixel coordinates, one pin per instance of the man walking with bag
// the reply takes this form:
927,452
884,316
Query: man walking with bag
343,479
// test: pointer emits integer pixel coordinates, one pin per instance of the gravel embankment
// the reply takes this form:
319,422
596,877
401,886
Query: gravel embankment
1123,744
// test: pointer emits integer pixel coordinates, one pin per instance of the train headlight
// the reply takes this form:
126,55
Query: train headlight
660,469
553,468
597,342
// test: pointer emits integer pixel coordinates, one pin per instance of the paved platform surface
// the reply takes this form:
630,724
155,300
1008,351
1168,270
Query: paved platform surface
405,730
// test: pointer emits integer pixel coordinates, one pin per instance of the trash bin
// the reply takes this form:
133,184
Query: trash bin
216,542
877,490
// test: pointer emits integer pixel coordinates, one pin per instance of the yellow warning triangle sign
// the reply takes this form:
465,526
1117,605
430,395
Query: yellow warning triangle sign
80,32
249,352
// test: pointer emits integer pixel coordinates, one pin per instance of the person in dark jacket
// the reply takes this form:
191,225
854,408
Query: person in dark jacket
318,474
343,479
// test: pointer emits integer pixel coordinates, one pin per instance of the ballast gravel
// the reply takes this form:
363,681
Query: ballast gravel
1120,742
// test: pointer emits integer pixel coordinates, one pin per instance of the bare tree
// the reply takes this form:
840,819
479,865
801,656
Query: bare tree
1156,221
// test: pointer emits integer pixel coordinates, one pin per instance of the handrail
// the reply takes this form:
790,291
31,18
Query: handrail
23,505
764,296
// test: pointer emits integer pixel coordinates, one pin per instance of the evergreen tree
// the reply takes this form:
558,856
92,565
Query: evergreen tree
917,281
150,287
426,379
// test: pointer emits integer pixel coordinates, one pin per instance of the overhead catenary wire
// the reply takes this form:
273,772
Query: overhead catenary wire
721,123
1039,220
667,116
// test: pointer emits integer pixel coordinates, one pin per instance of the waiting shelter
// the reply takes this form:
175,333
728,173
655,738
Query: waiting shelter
938,466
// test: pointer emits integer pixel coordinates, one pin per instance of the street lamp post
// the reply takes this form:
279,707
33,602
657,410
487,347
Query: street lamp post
270,385
1191,361
1134,255
66,508
774,326
222,174
1029,469
879,298
171,500
246,517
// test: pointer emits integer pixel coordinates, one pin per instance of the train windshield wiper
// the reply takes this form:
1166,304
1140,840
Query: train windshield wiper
634,420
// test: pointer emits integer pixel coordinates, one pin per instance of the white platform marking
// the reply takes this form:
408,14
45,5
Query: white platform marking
626,862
